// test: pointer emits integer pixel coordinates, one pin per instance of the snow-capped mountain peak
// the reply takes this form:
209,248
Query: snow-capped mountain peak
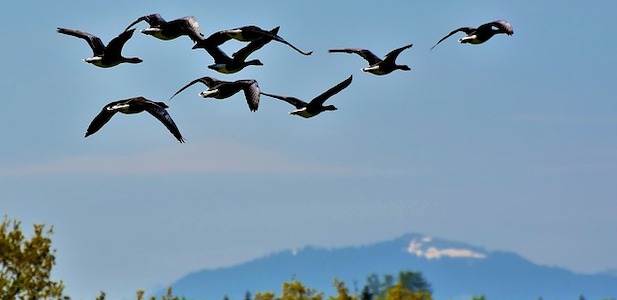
423,248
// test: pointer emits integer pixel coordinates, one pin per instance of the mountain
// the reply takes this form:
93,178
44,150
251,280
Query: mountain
455,271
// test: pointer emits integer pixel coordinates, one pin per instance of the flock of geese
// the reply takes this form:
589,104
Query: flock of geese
110,55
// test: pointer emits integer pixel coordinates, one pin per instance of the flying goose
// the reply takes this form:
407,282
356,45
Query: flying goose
229,65
248,33
220,89
315,106
104,56
169,30
481,34
378,66
132,106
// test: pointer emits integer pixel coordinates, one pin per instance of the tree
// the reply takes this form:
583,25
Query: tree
296,291
343,291
414,282
26,264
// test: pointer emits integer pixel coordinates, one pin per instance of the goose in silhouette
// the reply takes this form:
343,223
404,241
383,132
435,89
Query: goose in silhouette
315,106
219,89
248,33
169,30
481,34
132,106
229,65
104,56
378,66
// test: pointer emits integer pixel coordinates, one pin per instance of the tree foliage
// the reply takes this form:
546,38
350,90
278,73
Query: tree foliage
26,264
387,288
295,290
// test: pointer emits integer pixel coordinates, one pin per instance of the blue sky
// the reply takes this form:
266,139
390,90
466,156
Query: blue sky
509,145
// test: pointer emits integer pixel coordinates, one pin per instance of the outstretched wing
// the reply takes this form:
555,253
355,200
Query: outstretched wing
98,48
255,45
214,40
191,28
291,100
114,48
251,93
331,92
502,26
103,117
366,54
394,53
467,30
162,115
154,20
208,81
276,37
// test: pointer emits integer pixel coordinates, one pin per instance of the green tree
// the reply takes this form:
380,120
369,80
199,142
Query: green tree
265,296
377,288
26,264
414,281
296,291
342,290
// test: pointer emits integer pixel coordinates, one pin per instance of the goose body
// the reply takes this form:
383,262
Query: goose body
220,89
133,106
377,66
104,56
315,106
169,30
481,34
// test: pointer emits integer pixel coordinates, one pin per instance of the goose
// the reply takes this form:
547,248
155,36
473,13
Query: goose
220,89
104,56
315,106
481,34
378,66
132,106
250,33
169,30
229,65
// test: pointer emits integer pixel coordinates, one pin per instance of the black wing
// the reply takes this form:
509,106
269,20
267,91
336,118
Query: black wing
366,54
214,40
98,48
251,93
502,26
331,92
291,100
162,115
253,46
103,117
114,48
466,30
190,27
394,53
274,36
154,20
208,81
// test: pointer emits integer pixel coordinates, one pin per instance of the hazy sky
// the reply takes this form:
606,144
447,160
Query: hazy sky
509,145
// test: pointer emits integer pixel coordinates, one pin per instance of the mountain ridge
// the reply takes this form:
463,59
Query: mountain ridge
455,270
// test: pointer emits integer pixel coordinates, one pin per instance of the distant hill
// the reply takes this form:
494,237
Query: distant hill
455,271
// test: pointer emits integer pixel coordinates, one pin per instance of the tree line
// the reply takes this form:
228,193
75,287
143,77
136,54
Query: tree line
26,265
